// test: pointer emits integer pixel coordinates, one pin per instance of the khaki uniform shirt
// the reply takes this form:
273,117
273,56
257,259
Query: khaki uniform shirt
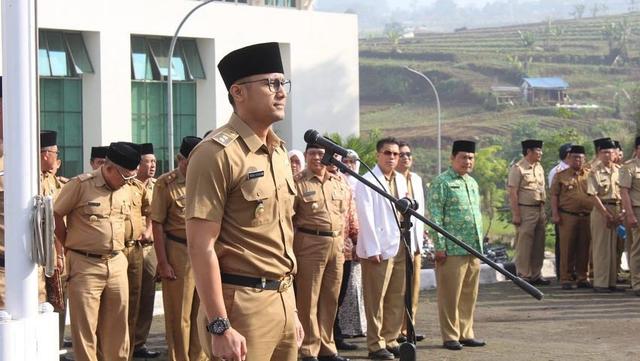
50,185
140,203
246,185
95,213
630,178
321,204
168,203
604,182
571,188
529,180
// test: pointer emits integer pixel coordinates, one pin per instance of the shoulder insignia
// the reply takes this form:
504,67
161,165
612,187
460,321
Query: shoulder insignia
225,136
298,177
171,177
85,176
63,180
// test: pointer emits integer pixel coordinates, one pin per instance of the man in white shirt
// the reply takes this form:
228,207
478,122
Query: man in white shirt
382,257
562,165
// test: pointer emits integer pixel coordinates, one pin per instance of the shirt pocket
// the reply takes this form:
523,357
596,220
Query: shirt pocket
96,212
260,201
529,181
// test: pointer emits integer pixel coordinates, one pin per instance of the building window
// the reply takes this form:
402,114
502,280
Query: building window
281,3
62,59
150,62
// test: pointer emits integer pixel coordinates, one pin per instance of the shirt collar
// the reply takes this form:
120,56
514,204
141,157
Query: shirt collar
249,136
99,179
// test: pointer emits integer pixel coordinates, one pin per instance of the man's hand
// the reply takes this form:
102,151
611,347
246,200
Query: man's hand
348,245
299,332
375,259
230,346
632,221
441,257
60,263
555,219
516,220
165,271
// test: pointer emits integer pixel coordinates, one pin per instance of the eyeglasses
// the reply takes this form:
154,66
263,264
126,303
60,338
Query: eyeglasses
405,154
275,85
314,152
126,179
50,151
389,153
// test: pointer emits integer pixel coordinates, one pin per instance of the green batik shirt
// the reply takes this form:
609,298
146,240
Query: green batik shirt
454,204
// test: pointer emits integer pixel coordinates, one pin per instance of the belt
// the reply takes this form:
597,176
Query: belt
531,205
176,239
611,202
316,232
1,262
577,214
96,255
146,242
259,283
129,244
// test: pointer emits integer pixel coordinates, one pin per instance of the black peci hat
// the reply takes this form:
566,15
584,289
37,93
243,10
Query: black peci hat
124,154
48,138
146,148
99,152
530,144
604,143
463,146
617,144
251,60
577,149
188,143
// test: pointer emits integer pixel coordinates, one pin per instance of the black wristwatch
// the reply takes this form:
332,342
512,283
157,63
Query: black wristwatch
218,326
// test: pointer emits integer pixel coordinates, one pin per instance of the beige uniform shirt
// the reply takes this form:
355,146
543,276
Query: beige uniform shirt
630,178
50,185
604,182
571,188
245,185
140,203
168,203
529,180
95,213
321,204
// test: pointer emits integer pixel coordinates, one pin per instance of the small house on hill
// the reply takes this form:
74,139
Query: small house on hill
546,90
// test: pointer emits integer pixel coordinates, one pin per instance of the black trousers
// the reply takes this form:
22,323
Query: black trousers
346,274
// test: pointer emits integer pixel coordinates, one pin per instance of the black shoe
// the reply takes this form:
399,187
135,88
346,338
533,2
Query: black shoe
381,354
66,343
419,338
584,284
394,350
636,293
601,290
332,358
345,346
310,358
401,339
567,286
616,289
540,282
452,345
472,342
144,352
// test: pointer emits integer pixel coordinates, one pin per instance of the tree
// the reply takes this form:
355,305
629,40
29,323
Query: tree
578,11
364,146
490,171
393,31
618,35
527,40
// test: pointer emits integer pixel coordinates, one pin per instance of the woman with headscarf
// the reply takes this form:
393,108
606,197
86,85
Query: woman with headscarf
296,159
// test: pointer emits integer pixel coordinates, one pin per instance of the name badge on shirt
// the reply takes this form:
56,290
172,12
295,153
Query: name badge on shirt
308,194
93,204
255,174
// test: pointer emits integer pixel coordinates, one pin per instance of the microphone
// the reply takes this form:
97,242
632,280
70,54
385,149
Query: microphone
313,137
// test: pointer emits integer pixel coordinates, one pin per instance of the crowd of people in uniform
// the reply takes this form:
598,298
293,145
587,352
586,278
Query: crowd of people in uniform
265,254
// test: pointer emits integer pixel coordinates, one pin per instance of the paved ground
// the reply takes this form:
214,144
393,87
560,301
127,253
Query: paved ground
566,325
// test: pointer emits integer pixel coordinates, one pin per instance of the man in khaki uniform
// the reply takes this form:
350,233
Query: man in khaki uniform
604,184
149,262
571,206
240,194
174,268
526,197
630,192
96,206
98,157
320,208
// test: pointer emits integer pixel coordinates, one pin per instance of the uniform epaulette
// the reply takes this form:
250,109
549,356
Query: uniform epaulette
171,177
224,136
63,180
84,177
298,177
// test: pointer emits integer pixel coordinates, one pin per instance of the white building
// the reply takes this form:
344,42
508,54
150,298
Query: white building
102,62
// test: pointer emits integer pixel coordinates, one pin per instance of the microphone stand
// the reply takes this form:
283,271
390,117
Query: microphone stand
404,207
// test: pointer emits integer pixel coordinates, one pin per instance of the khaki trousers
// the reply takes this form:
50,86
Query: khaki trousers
147,296
181,305
634,254
457,288
530,242
605,265
98,298
265,318
415,291
383,286
320,266
575,237
134,275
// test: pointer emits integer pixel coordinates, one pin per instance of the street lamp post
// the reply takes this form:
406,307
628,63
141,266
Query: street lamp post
439,115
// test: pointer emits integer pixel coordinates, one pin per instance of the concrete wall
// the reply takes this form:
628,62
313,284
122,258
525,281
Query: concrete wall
320,52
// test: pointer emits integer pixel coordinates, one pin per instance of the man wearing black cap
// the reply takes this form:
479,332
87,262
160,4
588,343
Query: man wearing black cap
96,206
240,194
571,206
146,174
563,155
98,157
527,196
174,268
630,192
606,216
454,204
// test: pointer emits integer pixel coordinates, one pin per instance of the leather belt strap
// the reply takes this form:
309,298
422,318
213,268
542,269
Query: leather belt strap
316,232
531,205
175,238
577,214
146,243
612,202
259,283
129,244
96,255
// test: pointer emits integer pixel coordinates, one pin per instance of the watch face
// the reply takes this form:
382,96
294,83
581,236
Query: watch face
218,326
